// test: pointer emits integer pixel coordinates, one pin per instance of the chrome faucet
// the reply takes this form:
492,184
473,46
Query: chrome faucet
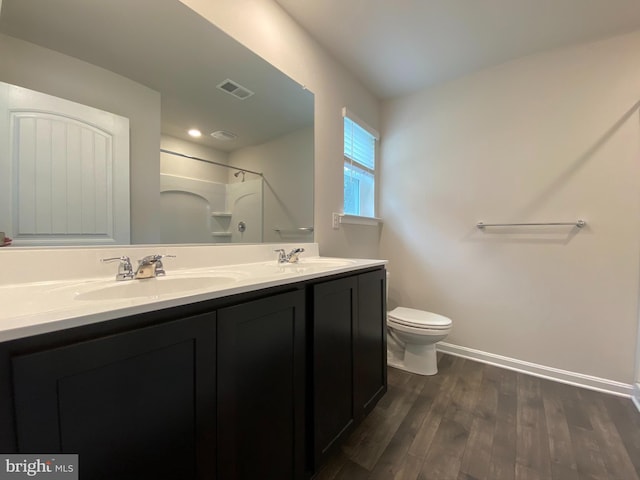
125,270
149,267
291,257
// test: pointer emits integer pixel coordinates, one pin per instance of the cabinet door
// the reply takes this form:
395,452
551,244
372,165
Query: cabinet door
133,405
334,311
370,359
261,389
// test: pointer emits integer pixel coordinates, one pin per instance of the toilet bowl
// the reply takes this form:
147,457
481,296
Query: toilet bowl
411,339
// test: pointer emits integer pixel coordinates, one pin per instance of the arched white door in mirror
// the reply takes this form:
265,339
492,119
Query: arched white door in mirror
64,171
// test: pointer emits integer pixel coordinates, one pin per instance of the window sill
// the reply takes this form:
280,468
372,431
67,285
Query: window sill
358,220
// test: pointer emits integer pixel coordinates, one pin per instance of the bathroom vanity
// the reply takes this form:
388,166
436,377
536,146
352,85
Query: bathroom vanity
258,378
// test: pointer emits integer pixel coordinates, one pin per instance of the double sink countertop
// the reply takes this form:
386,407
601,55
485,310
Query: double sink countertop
31,308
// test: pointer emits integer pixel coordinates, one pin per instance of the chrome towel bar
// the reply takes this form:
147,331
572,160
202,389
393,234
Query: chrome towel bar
577,223
294,230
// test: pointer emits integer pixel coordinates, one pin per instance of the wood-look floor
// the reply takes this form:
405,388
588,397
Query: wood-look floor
474,421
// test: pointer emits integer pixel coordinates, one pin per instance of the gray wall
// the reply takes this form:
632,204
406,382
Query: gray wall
270,32
43,70
552,137
287,165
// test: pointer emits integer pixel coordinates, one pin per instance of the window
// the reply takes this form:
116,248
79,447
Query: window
359,167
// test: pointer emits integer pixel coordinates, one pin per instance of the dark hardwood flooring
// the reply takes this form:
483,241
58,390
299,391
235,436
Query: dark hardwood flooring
474,421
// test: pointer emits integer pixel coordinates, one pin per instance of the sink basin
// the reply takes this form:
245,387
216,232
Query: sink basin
319,263
154,287
312,265
183,283
304,266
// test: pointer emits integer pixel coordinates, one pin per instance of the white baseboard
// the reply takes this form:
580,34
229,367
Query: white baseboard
550,373
636,396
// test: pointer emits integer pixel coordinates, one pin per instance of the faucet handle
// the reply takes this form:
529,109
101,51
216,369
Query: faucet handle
125,270
282,256
160,266
291,257
155,260
294,254
149,259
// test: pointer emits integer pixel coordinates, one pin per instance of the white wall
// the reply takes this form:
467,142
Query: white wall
190,168
287,165
266,29
50,72
551,137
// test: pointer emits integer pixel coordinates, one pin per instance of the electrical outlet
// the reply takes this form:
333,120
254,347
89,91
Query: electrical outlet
336,221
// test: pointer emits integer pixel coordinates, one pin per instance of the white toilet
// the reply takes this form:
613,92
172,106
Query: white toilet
411,339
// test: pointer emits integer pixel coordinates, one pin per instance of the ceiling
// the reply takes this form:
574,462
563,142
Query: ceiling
400,46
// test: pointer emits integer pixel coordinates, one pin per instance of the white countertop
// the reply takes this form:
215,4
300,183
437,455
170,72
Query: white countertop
31,308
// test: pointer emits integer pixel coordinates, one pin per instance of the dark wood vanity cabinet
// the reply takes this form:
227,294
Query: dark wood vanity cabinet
257,385
334,312
349,356
261,388
134,405
370,343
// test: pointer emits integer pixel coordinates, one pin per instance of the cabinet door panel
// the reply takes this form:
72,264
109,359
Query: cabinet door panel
334,310
133,405
370,361
261,388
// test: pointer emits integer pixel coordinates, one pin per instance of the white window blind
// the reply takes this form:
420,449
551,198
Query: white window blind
359,166
359,145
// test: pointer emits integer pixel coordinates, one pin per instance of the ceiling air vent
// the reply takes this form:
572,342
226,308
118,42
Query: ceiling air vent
223,135
235,89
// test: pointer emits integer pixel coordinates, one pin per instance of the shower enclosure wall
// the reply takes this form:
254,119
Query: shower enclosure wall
200,211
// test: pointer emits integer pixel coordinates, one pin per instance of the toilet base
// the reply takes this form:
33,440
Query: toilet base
420,359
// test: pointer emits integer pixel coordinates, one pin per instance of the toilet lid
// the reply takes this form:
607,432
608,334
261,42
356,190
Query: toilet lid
418,318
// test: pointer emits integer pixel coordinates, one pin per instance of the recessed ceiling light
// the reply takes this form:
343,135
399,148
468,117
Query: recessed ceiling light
194,132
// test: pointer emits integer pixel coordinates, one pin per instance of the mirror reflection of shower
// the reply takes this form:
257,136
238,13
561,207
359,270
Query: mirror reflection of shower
201,204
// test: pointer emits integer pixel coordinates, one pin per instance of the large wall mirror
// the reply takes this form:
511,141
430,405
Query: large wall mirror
249,176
